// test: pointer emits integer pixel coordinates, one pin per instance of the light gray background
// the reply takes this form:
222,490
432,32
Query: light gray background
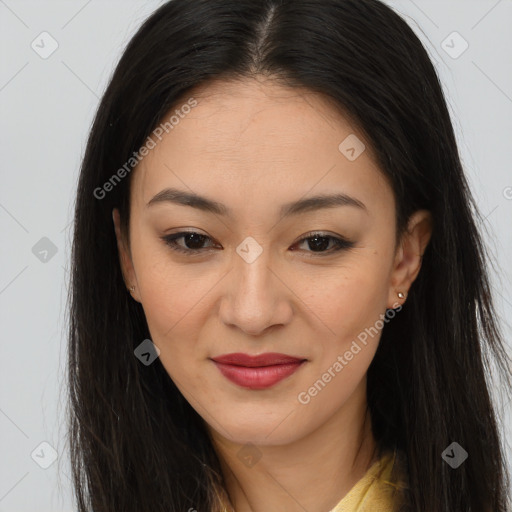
47,106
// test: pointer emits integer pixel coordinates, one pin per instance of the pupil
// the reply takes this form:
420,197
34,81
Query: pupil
312,244
198,240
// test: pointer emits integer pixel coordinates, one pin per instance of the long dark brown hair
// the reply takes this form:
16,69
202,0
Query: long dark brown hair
135,443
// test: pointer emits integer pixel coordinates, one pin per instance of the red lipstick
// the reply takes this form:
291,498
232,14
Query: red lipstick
257,372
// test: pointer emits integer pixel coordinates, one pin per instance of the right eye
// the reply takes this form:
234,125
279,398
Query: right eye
191,238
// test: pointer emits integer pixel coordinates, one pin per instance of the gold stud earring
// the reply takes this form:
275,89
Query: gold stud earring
401,295
132,288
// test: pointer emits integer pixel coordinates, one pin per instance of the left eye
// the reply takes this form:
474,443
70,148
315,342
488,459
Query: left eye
317,242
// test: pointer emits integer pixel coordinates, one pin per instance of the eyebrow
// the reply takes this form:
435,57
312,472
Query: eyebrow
181,197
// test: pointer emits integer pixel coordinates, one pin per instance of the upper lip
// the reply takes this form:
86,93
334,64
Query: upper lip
267,359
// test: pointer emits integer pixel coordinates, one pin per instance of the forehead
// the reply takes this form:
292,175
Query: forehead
255,140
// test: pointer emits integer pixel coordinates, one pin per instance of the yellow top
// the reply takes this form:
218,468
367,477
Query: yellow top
376,491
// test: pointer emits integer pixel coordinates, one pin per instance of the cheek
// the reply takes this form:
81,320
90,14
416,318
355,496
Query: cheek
351,307
173,310
170,292
173,298
351,299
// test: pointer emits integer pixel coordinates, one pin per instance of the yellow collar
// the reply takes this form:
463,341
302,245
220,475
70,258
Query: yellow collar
376,491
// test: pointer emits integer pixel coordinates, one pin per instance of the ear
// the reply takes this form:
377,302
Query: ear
125,259
409,254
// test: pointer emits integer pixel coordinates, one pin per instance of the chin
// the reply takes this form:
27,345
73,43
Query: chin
271,433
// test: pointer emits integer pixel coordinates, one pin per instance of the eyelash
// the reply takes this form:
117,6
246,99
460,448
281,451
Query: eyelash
340,243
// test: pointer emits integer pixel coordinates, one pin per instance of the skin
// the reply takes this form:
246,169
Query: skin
253,146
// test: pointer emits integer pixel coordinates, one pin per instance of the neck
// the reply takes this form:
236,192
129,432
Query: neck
330,460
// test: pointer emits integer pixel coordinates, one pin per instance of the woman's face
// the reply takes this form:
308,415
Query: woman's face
256,280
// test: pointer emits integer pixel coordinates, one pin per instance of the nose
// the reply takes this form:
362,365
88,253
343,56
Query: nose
256,298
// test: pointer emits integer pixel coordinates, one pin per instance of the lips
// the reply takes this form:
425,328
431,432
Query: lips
257,372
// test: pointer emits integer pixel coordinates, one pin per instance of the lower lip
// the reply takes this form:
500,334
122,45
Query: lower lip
260,377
